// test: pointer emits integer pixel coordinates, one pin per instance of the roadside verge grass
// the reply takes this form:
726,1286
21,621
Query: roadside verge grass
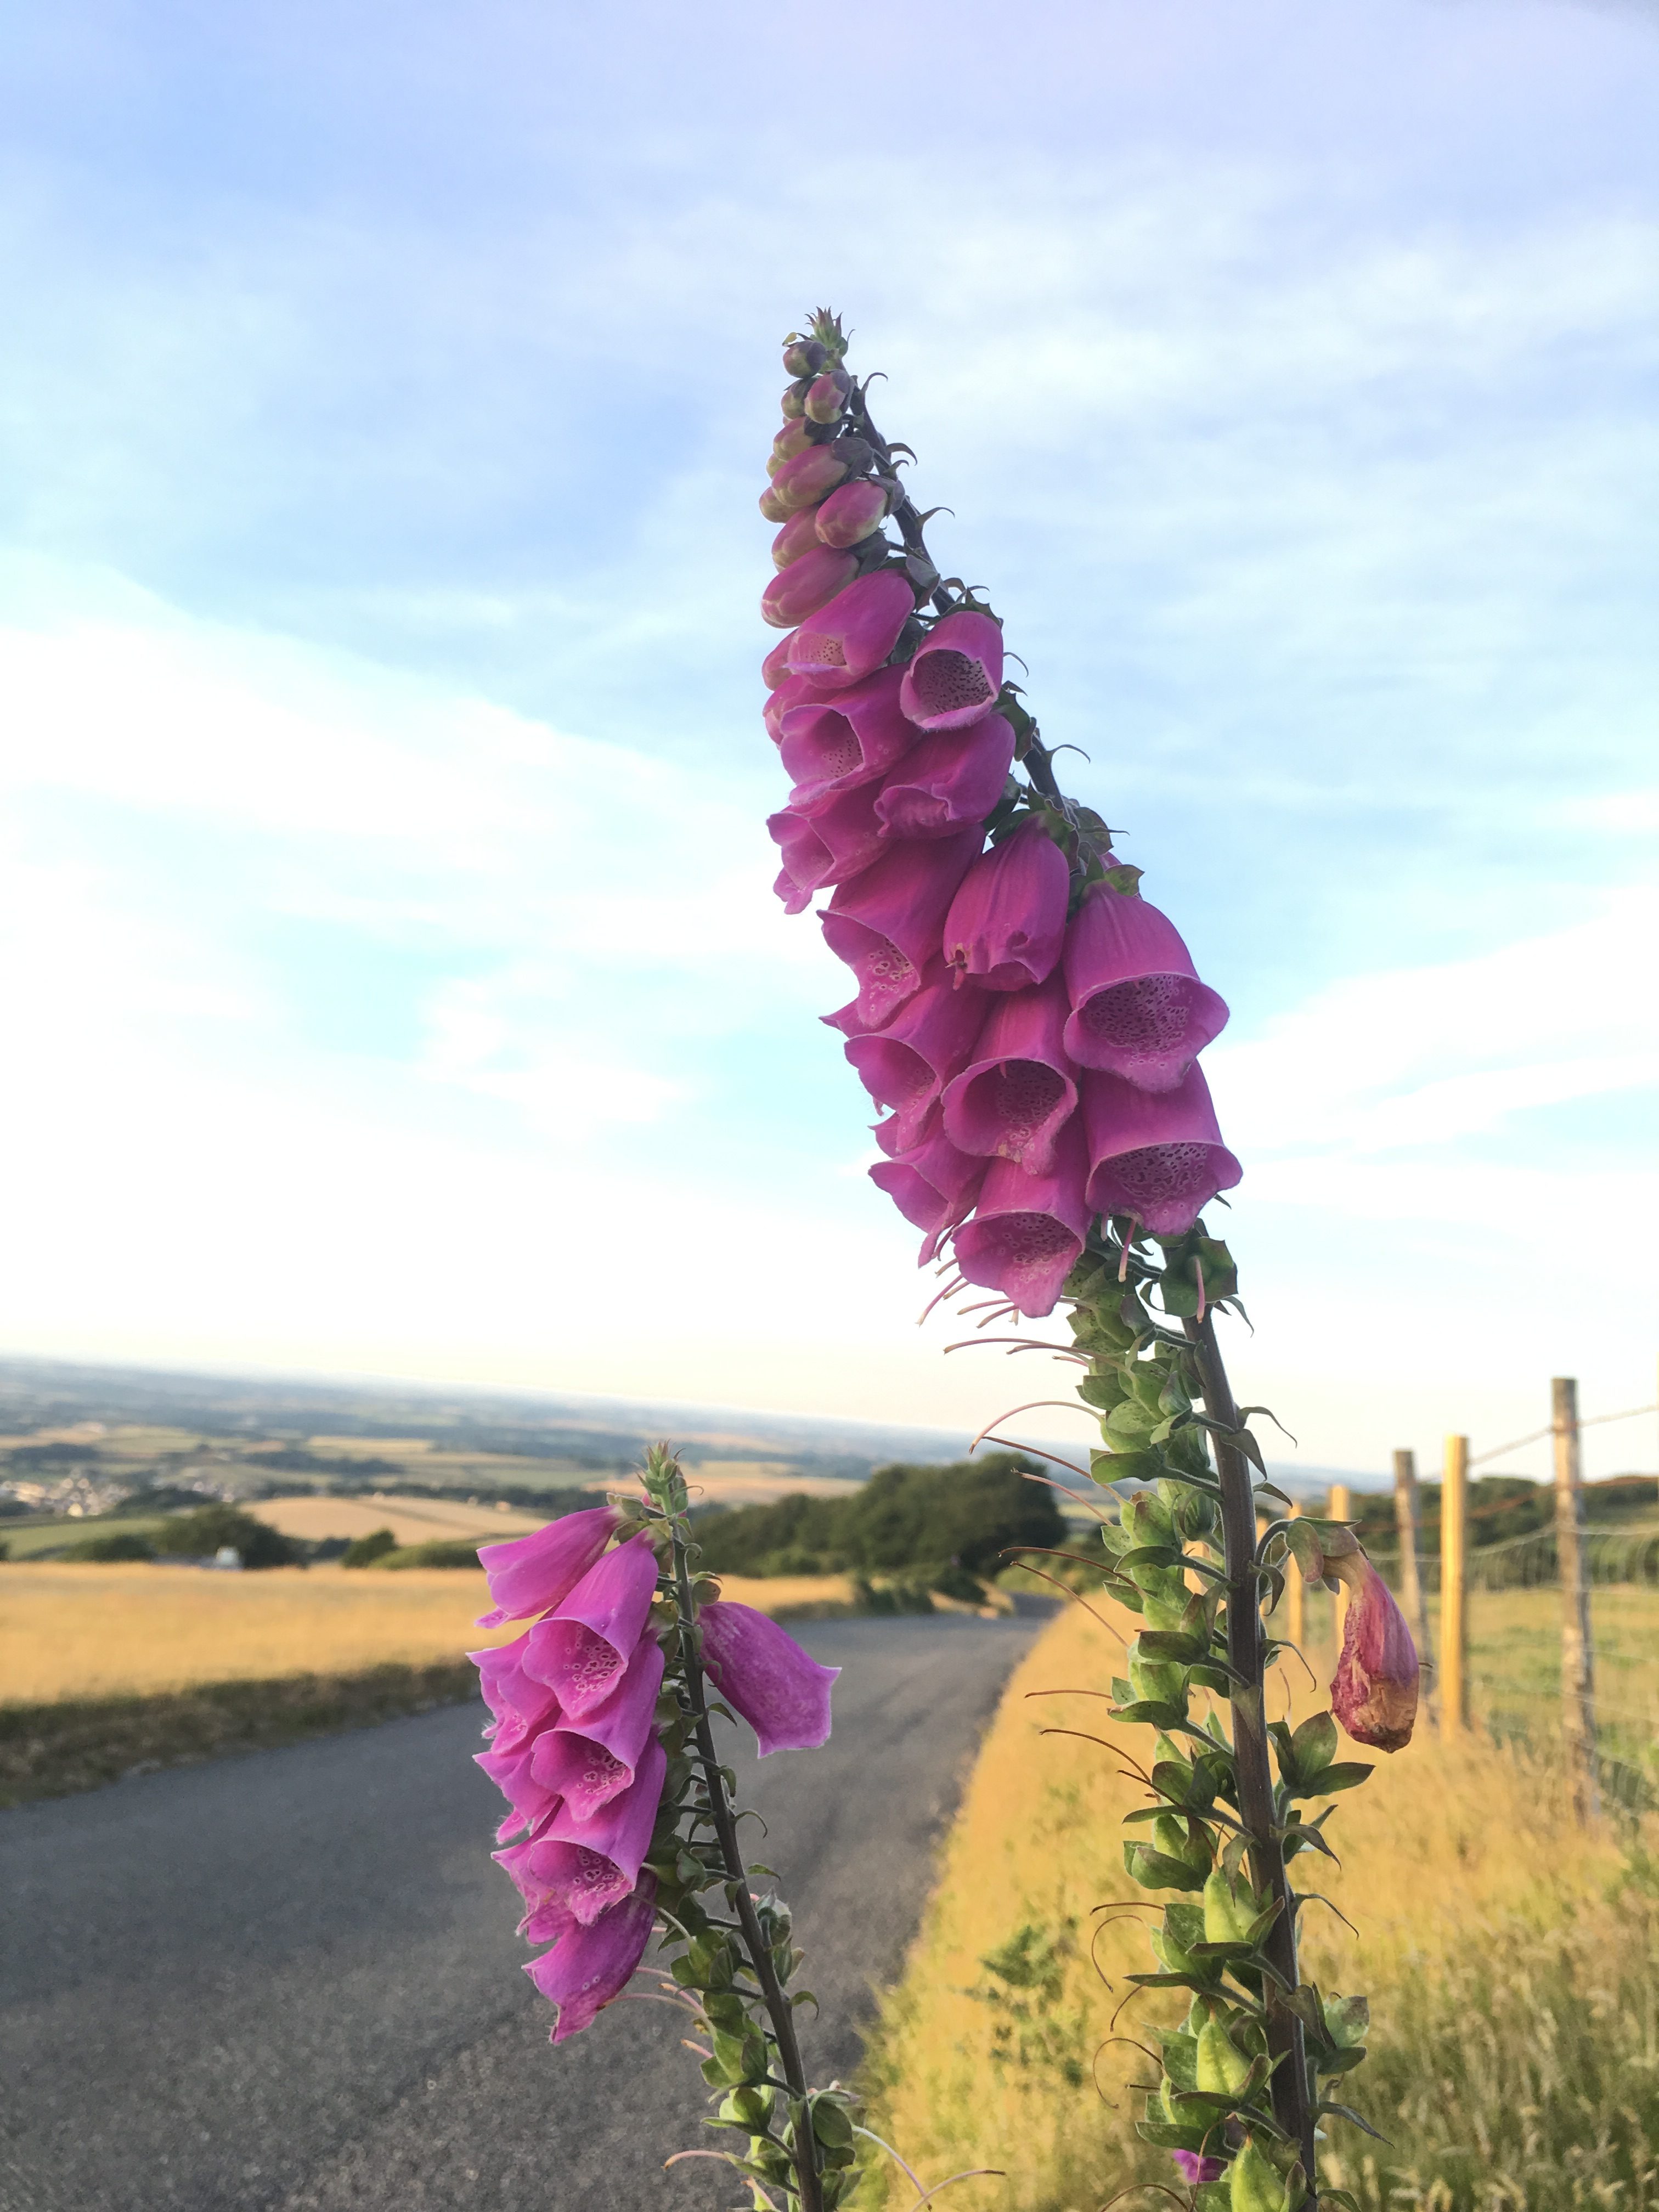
1511,1964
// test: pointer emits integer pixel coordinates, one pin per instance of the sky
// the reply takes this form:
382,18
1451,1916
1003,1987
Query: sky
392,976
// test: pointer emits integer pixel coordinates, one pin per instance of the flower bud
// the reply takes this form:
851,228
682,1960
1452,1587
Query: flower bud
850,515
955,673
774,508
794,397
1007,923
804,356
795,438
798,536
1374,1693
1253,2183
805,586
1230,1909
1222,2068
804,480
1196,2169
826,397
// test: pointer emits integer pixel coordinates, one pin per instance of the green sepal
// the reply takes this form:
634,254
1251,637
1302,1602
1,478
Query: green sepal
1347,2112
1155,1870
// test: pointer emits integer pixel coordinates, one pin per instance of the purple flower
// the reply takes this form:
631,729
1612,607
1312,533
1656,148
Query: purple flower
511,1773
804,480
1196,2168
589,1765
829,744
805,586
955,672
1028,1229
952,777
1139,1008
793,691
1374,1693
762,1673
615,1833
1016,1094
827,847
508,1690
533,1572
798,536
775,669
1007,923
588,1967
1155,1154
907,1064
930,1182
853,512
886,924
856,633
583,1649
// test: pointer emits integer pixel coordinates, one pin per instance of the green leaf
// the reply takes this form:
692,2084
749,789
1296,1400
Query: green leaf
1348,1775
1155,1870
1344,2061
1346,2112
1312,1745
1172,1644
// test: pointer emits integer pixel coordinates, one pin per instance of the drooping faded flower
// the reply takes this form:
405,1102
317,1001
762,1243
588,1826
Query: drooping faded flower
1374,1692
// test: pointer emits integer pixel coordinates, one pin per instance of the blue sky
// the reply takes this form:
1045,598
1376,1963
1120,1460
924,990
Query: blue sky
383,393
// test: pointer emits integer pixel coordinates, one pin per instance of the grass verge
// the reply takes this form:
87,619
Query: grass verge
79,1743
1511,1962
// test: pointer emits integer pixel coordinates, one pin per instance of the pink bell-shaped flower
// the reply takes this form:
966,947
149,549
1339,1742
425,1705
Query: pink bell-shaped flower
1028,1229
1017,1091
618,1832
830,743
932,1183
588,1967
1139,1010
955,673
589,1765
508,1691
851,637
805,586
531,1573
1374,1693
511,1773
794,691
1155,1154
775,669
762,1673
907,1064
1007,923
828,846
885,923
583,1648
952,778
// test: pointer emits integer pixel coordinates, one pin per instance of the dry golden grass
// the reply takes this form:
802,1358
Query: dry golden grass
79,1631
412,1520
1515,2058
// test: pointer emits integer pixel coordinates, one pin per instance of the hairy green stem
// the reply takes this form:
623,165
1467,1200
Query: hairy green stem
1247,1652
778,2007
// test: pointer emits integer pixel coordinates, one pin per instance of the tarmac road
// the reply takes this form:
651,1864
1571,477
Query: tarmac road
289,1982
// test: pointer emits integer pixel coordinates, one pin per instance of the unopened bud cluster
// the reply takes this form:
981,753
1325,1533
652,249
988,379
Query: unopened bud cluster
1029,1021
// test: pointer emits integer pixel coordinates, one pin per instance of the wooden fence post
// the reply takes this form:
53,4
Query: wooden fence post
1577,1660
1454,1589
1295,1595
1412,1603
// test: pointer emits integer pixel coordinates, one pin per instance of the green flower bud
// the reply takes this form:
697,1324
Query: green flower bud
1253,2185
1229,1911
1222,2068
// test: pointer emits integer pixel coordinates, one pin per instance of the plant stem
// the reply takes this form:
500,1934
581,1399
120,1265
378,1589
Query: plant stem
1246,1651
760,1957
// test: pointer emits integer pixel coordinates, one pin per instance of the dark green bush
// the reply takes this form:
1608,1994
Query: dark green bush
198,1536
969,1513
122,1544
956,1582
363,1551
440,1555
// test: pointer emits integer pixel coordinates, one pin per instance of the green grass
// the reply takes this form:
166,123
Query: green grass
80,1743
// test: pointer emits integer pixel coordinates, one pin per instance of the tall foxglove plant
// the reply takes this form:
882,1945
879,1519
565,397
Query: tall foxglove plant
1030,1026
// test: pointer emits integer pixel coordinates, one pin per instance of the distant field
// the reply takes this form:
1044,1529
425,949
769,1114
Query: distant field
411,1519
78,1632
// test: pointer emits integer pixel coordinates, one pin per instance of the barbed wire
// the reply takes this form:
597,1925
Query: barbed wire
1588,1421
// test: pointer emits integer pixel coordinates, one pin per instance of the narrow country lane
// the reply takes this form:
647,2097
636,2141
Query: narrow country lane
289,1982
